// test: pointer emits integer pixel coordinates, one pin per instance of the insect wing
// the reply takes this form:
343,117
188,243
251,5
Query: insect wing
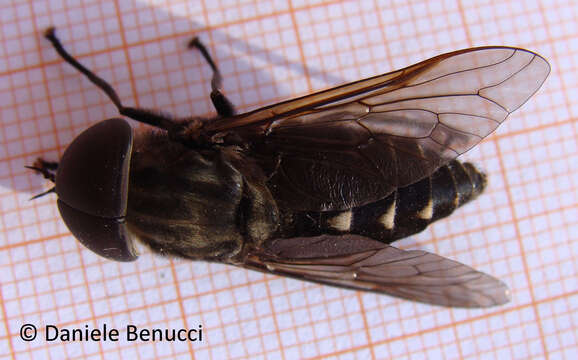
361,263
355,144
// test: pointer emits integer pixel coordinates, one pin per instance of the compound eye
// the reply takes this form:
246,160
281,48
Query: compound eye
92,174
107,237
92,188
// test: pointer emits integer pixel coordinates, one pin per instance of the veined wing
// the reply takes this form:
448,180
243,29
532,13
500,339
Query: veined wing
356,143
361,263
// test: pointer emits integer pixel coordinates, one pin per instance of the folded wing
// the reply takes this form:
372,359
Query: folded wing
356,143
361,263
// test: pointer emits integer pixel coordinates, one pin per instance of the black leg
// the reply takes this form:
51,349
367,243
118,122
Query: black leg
223,105
143,115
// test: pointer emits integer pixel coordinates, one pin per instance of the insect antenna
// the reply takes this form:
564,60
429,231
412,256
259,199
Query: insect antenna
47,169
51,190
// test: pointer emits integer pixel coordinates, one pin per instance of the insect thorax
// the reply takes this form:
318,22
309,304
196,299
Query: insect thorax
195,203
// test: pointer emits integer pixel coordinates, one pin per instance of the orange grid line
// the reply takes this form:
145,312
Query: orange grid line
521,245
459,322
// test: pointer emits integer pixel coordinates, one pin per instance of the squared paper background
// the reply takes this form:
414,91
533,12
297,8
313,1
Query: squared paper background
522,230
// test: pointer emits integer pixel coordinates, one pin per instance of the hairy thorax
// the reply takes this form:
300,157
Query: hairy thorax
201,204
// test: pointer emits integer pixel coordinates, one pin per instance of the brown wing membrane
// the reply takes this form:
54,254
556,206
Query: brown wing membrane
358,262
356,143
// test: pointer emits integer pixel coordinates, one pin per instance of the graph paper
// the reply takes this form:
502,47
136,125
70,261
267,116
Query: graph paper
523,229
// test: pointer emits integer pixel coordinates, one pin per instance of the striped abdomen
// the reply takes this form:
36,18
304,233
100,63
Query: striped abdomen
405,212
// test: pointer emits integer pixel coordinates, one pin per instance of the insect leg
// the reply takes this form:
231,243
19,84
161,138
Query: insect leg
143,115
223,105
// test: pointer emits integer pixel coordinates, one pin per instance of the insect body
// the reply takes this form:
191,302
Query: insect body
314,188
